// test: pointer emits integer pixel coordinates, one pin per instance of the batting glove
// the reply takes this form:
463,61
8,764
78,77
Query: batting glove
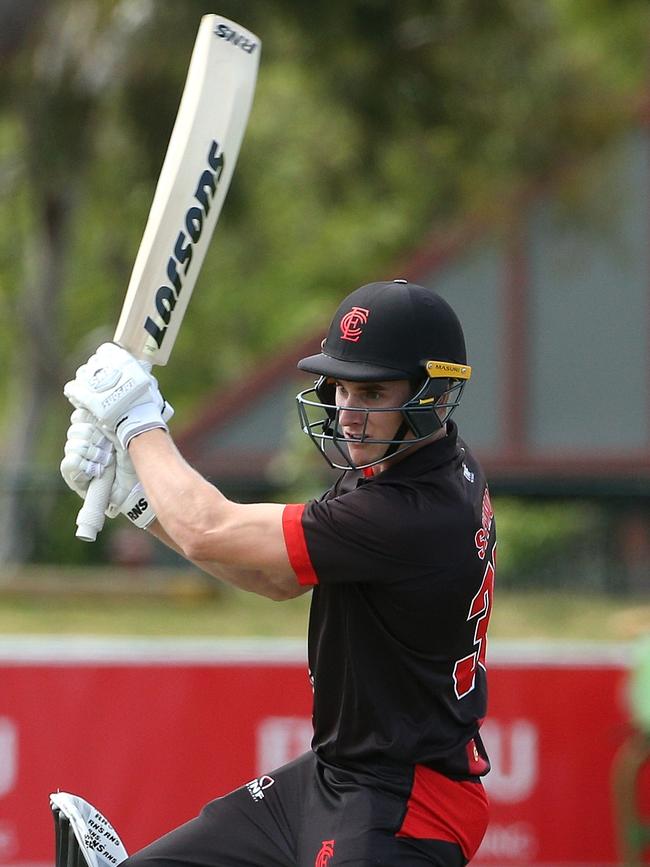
127,494
119,392
89,453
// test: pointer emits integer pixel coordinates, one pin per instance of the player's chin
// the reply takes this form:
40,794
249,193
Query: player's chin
364,453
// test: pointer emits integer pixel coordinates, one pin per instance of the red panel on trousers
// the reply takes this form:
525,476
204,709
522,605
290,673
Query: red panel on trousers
444,809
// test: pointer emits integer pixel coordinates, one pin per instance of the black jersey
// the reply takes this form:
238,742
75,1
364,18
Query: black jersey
402,565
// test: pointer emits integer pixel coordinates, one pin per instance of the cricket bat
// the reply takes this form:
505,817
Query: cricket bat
191,189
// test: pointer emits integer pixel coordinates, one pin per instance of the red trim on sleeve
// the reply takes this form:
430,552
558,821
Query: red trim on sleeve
296,544
440,808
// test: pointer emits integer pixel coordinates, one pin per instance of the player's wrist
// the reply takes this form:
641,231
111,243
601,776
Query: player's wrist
135,507
139,420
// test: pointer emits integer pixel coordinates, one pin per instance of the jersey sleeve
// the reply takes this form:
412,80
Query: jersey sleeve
375,533
296,544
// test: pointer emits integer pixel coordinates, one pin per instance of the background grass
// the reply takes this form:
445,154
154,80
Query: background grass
184,603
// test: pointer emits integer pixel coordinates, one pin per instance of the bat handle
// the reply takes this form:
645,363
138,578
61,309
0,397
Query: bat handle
90,519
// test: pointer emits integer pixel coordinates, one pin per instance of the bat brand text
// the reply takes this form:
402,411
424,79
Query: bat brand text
138,509
238,39
188,236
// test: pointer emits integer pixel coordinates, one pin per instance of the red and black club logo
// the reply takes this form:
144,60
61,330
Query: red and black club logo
352,323
326,852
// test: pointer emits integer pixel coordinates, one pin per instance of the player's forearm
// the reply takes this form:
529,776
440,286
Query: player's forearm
251,580
240,544
182,500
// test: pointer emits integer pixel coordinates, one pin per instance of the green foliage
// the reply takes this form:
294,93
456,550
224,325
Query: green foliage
373,121
544,544
640,686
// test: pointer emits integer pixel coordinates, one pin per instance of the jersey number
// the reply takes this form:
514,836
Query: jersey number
479,609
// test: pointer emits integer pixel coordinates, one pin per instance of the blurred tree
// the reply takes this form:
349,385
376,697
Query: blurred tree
60,61
373,121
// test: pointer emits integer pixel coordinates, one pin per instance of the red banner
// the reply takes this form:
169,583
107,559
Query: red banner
149,731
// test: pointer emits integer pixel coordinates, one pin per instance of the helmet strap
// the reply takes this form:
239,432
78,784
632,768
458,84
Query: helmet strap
399,435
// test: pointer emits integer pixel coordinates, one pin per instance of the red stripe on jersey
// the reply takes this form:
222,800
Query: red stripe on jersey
443,809
296,544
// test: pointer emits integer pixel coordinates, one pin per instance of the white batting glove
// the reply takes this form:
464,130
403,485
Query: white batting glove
127,494
119,392
89,451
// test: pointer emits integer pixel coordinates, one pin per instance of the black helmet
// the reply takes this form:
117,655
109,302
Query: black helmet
391,330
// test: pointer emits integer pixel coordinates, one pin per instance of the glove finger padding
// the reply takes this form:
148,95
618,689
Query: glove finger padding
91,444
87,453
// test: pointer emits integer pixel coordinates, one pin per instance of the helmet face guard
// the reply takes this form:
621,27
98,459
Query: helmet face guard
423,415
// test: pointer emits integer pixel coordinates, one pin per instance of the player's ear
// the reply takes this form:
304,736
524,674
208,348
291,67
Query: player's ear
326,392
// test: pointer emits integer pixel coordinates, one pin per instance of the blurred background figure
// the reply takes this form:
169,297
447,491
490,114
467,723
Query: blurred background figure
631,772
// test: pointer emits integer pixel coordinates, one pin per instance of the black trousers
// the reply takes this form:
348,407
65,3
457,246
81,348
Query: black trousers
302,815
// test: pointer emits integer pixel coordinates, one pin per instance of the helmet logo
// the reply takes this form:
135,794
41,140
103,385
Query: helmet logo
352,323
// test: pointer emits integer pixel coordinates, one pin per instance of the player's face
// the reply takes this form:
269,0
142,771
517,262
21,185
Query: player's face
353,398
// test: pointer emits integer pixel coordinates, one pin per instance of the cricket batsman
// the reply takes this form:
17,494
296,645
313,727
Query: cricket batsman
399,558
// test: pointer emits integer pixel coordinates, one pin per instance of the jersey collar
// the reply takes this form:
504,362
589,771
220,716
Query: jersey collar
429,457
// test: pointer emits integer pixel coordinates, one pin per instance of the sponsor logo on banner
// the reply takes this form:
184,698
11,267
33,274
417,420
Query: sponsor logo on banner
8,755
8,841
513,748
515,843
8,781
514,755
280,739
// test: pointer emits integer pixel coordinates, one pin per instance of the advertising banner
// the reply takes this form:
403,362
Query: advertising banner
148,731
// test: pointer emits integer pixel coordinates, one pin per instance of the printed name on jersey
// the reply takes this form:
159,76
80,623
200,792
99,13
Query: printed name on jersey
256,787
482,536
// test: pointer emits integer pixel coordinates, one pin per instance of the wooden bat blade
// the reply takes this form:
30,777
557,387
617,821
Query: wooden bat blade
193,183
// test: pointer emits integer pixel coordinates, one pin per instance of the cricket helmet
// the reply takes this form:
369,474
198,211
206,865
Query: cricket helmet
393,330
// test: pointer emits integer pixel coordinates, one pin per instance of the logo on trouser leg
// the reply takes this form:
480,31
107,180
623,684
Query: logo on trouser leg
326,852
256,787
